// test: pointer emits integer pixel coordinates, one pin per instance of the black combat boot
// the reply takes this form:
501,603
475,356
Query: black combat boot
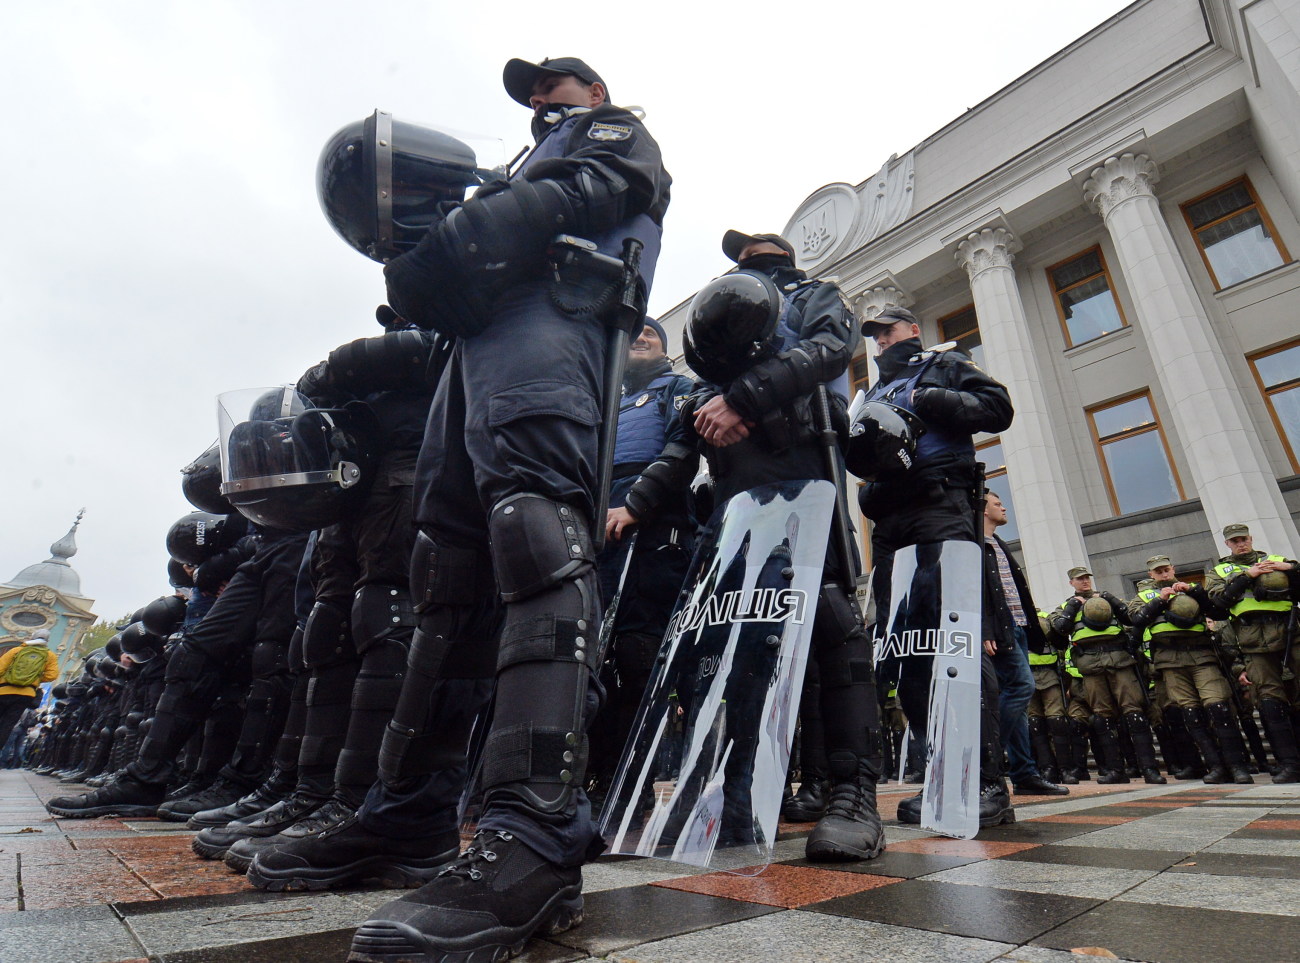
126,796
485,905
1059,730
214,842
809,804
1233,746
1198,726
995,803
1276,717
1110,761
259,800
222,792
347,852
851,828
240,855
1180,750
1079,750
1144,748
1041,741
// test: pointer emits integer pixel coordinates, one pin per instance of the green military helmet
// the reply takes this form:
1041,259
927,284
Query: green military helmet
1272,587
1184,611
1097,613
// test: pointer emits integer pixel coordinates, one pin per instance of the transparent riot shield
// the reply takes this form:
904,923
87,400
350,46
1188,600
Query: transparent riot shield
933,627
701,778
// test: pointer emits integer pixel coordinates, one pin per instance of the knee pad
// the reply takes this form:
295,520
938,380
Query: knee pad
327,637
539,544
330,686
1136,722
1222,714
134,719
442,575
186,664
270,659
380,612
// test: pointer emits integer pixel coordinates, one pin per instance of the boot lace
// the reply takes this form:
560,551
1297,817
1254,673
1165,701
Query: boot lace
847,800
464,864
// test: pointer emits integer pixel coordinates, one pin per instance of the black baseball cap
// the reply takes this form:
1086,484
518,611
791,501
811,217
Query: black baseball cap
520,75
733,242
891,315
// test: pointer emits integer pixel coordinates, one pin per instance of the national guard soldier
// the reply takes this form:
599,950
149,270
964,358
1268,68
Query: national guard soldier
1170,613
1049,729
1094,623
1259,591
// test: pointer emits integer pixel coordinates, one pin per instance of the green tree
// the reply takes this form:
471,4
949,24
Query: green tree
99,634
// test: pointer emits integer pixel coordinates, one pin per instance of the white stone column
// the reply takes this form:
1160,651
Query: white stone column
1050,538
872,301
1230,471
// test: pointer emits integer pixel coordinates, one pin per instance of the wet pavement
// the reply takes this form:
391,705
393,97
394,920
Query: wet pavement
1184,872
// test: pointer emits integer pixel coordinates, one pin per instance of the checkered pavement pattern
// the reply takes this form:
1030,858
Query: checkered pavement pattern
1175,873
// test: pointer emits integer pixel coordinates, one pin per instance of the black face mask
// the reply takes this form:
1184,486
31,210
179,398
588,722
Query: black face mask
894,358
766,263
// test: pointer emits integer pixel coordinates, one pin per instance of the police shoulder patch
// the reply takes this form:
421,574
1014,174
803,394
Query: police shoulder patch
608,132
679,401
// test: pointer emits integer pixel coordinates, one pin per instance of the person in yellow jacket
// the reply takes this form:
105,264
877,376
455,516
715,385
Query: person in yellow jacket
1259,591
15,698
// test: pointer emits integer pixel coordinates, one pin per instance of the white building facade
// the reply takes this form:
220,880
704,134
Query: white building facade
1111,236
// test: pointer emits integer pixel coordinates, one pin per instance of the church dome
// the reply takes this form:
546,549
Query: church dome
55,571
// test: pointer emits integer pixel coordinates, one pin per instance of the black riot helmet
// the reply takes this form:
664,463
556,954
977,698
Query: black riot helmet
201,482
289,465
113,647
60,691
730,325
163,615
198,536
139,643
382,182
177,577
882,440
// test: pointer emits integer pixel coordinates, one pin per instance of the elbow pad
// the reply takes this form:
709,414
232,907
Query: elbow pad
662,479
396,360
773,383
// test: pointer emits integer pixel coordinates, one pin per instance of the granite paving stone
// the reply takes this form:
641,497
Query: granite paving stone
1237,864
943,846
1097,882
602,874
781,885
1176,934
892,862
1040,954
618,918
794,936
1256,847
982,912
1066,854
1248,895
170,932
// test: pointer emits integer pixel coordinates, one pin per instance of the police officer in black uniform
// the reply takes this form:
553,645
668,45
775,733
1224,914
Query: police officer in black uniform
648,515
759,426
505,497
938,499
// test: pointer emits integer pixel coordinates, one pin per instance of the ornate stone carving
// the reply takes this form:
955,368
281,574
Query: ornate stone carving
1120,179
817,232
872,301
992,247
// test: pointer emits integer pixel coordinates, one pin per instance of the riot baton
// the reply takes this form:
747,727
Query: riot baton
624,275
835,474
629,313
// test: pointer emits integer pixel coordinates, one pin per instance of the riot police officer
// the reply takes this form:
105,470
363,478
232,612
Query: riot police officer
938,498
757,425
505,497
1259,592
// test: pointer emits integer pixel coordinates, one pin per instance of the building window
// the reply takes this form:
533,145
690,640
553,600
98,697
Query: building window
1134,455
1234,234
1277,371
963,327
859,375
1085,298
996,481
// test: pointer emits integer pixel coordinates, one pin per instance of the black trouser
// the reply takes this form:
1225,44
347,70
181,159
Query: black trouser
255,612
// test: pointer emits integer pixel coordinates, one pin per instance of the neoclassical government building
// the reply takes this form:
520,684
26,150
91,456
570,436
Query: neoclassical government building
1111,236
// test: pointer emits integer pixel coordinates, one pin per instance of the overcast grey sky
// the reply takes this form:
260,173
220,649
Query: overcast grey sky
161,237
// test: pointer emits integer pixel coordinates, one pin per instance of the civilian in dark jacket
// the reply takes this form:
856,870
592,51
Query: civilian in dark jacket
1010,630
